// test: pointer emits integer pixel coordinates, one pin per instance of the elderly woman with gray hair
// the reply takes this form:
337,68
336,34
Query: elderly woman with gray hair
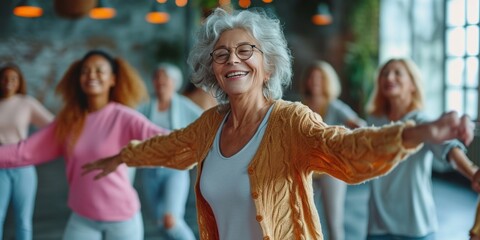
255,152
166,190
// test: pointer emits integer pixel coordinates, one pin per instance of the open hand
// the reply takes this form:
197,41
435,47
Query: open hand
106,165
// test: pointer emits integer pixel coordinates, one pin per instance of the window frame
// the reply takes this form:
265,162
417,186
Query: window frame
464,87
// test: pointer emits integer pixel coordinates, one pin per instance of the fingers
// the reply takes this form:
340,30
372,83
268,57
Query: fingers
476,182
476,188
461,128
88,168
106,166
466,130
476,185
450,118
100,175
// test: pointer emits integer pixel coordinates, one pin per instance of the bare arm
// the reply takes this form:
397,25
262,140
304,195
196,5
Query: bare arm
461,163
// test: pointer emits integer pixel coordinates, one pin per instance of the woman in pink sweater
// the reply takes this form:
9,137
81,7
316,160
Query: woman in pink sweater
17,112
256,153
96,121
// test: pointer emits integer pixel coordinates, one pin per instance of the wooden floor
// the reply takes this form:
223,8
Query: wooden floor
456,205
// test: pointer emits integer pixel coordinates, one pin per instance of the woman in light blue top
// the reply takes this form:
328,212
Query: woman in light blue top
321,89
401,204
166,190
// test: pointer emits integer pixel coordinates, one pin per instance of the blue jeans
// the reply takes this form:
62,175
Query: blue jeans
81,228
430,236
166,192
18,185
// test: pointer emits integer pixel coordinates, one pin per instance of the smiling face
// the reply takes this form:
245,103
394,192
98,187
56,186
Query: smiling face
9,83
238,77
396,82
96,76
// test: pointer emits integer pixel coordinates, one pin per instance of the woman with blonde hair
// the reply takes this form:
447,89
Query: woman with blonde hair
401,204
96,120
321,89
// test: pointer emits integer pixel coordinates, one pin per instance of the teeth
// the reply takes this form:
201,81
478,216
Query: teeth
235,74
92,83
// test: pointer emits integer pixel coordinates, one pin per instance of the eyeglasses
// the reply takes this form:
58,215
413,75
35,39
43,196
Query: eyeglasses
243,52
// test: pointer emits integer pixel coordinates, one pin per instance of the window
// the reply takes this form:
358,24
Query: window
462,56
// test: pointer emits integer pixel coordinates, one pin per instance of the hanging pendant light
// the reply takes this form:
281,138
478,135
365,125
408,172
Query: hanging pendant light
28,9
102,11
323,15
244,3
158,14
181,3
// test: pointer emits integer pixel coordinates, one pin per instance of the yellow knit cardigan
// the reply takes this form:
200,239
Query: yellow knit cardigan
296,143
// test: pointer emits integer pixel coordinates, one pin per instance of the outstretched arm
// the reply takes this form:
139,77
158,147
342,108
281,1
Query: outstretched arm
179,150
39,148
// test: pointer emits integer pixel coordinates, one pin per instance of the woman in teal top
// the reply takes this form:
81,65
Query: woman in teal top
401,204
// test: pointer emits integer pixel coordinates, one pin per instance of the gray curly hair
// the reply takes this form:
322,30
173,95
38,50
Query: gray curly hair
266,30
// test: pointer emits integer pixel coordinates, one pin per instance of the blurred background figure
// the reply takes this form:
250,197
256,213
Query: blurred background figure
321,89
17,112
401,204
167,190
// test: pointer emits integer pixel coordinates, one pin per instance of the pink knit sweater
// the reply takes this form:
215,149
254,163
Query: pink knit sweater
105,132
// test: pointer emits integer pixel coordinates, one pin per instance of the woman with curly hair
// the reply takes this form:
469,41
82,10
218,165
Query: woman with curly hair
96,121
255,153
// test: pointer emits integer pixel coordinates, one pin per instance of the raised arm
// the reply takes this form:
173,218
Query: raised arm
180,149
174,151
364,153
